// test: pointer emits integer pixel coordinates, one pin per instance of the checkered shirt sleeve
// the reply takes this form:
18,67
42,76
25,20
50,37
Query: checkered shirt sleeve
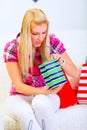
56,45
10,52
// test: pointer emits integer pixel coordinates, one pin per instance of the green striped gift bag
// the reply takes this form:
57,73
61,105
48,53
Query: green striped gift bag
52,73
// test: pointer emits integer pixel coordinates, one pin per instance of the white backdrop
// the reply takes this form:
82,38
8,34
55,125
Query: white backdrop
68,20
63,14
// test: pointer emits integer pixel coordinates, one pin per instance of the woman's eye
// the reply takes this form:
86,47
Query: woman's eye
37,34
34,33
44,33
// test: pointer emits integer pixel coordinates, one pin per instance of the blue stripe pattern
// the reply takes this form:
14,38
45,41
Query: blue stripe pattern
52,73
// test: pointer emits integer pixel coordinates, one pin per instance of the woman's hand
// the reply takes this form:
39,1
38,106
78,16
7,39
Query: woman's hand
55,56
46,90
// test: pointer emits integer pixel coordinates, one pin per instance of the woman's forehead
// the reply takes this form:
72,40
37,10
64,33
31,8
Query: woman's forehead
42,26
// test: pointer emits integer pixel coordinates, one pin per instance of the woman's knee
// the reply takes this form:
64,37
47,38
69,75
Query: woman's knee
49,102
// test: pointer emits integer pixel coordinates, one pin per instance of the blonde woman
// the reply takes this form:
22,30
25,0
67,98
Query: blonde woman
22,57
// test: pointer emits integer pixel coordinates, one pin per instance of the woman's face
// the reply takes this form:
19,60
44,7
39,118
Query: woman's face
38,34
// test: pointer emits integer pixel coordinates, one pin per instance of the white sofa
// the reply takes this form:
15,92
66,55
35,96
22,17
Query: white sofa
71,118
9,123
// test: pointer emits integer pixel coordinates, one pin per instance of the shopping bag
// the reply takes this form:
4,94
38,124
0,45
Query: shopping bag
82,86
52,73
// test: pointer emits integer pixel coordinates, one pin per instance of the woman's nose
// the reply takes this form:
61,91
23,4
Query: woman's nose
40,37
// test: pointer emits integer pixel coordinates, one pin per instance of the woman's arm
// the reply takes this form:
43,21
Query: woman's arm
16,77
60,53
69,67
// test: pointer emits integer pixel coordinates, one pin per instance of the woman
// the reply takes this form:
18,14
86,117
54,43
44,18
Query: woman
22,57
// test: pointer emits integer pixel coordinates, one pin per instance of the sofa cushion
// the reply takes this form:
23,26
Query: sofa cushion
10,123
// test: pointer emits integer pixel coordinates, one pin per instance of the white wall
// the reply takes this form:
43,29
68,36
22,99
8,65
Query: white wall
63,14
68,19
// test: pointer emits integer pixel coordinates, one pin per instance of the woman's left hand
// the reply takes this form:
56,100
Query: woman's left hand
56,89
55,56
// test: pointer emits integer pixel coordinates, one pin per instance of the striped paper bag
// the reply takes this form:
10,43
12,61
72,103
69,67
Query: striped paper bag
82,88
52,73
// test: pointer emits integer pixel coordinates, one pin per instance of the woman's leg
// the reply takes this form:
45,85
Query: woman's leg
19,108
45,107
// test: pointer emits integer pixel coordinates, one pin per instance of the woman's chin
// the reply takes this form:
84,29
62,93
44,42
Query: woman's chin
38,45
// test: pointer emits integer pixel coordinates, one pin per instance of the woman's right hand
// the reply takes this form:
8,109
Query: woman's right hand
46,90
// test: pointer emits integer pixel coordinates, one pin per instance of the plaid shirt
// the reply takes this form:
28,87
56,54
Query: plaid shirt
57,46
10,51
35,79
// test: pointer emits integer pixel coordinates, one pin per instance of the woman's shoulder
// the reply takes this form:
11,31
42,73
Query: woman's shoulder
11,50
56,45
11,44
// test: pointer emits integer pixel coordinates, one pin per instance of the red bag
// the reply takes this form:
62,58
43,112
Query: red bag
67,95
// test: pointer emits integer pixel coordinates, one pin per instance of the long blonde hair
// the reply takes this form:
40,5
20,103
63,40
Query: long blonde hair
25,57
